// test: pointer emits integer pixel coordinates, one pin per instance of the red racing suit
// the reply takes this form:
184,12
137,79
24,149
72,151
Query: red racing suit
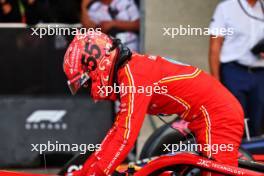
214,114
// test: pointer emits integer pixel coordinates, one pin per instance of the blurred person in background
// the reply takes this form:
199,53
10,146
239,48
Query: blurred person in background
24,11
36,11
117,18
232,60
9,11
65,11
30,11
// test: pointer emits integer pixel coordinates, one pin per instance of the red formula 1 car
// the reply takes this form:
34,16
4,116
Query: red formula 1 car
176,164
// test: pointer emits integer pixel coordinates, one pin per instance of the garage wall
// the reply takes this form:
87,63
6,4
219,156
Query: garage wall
172,14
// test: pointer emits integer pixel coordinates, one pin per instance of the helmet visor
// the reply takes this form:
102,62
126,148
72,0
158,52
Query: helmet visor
77,82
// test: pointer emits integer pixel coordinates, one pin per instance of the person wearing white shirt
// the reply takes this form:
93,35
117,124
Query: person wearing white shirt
231,58
118,18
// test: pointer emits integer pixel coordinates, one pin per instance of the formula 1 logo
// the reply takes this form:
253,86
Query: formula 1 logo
46,119
73,168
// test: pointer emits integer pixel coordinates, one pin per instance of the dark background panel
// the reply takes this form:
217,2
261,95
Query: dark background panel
31,65
32,79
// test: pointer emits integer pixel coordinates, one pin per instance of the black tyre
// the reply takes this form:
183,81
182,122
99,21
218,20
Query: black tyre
154,146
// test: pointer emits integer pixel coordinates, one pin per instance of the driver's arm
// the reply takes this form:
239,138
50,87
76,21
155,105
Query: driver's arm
122,136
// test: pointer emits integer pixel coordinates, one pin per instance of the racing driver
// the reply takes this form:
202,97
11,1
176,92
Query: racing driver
100,62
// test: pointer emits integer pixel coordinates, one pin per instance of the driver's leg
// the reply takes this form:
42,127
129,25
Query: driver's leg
222,132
